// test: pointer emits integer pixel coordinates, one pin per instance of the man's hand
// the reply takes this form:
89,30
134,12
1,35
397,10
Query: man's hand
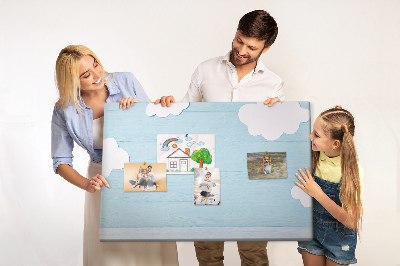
165,100
271,101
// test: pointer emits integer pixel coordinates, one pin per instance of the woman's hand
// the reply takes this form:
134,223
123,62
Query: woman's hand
127,102
308,184
96,183
165,100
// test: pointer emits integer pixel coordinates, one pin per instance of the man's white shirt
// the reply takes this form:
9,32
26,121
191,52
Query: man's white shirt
216,80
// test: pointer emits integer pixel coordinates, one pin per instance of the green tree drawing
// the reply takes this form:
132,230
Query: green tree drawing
202,156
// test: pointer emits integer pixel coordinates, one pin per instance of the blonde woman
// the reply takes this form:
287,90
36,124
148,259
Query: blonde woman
84,87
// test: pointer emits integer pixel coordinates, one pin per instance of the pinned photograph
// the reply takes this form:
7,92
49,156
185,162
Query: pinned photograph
207,186
140,177
182,153
266,165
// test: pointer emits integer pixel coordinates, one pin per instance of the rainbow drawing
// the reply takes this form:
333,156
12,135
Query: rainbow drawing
168,141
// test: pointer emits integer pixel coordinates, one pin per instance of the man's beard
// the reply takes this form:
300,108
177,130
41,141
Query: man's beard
249,60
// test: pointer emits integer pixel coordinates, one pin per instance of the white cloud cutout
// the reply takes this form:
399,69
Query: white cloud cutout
163,111
299,194
113,156
272,122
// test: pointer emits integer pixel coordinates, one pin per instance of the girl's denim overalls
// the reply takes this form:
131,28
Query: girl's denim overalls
331,238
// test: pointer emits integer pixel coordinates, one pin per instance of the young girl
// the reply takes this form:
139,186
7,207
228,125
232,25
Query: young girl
84,87
336,188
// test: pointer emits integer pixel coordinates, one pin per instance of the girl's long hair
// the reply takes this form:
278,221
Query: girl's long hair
339,125
67,75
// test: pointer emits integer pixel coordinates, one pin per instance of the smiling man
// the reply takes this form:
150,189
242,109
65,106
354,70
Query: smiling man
241,76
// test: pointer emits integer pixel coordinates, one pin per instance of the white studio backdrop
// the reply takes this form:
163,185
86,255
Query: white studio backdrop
327,52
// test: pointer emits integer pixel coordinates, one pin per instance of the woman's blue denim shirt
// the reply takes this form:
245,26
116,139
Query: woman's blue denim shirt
69,125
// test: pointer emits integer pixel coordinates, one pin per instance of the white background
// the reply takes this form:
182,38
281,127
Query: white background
327,52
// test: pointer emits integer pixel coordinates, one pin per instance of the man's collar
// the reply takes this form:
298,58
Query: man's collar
260,65
226,57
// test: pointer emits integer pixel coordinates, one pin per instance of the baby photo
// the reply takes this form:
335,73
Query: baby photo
266,165
207,186
145,177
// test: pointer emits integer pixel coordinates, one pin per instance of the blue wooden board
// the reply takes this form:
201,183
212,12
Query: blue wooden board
249,209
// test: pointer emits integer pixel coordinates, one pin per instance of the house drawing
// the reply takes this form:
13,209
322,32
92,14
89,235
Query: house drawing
178,161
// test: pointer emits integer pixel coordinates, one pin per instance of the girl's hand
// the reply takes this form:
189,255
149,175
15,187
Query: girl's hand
165,100
95,183
308,184
127,102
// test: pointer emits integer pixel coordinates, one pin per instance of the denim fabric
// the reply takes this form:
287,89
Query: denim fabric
331,238
141,182
69,125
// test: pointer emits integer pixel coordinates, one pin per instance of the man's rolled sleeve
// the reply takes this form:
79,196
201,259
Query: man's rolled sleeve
194,92
278,92
61,142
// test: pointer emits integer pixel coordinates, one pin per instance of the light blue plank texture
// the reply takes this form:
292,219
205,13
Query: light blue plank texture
249,210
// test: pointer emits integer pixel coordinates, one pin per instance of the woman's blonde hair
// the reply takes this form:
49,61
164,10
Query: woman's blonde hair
339,125
67,75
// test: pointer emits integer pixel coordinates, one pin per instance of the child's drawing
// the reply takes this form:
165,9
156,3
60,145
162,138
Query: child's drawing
184,152
266,165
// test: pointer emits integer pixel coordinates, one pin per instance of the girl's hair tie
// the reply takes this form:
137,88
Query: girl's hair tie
345,128
338,107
